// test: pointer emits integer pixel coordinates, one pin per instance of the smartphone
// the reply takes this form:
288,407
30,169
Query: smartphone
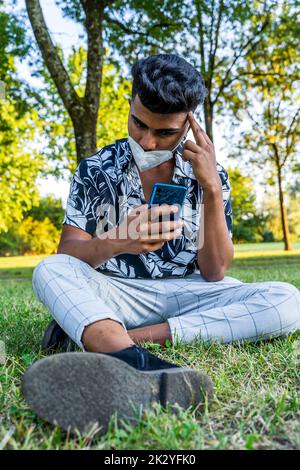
171,194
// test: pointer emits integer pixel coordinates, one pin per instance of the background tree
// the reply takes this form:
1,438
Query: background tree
37,233
274,137
20,164
38,237
273,218
270,109
216,36
49,207
248,224
228,42
80,97
57,125
83,111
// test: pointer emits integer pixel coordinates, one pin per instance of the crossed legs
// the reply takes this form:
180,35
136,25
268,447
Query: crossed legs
109,336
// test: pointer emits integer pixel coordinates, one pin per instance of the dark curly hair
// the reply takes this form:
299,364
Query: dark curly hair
167,83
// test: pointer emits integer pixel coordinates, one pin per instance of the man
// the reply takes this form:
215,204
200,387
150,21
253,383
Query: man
122,276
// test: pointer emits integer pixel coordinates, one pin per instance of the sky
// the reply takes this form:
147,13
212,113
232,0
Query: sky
67,33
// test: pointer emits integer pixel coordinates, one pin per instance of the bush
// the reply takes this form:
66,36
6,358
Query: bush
50,208
10,243
268,236
38,237
37,233
248,224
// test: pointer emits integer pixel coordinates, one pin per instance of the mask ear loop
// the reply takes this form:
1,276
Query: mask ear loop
184,139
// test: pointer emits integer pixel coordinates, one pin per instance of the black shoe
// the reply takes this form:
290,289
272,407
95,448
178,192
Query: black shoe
78,390
141,359
55,339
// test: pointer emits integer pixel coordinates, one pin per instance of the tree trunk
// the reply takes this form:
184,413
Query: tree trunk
284,221
208,116
85,131
83,111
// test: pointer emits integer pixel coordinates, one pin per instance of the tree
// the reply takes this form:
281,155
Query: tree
13,44
19,163
57,125
273,218
271,140
37,233
83,111
216,36
113,113
248,224
48,207
38,237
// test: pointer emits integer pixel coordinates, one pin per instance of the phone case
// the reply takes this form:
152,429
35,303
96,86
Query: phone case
171,194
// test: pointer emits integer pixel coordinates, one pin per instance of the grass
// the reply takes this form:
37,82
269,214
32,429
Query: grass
22,266
18,266
268,247
257,400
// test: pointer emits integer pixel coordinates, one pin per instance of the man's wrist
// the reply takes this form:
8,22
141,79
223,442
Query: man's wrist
110,243
213,188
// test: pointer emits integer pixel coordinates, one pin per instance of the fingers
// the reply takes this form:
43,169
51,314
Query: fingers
157,228
188,155
138,210
143,235
163,237
153,247
200,136
156,211
190,145
145,213
195,128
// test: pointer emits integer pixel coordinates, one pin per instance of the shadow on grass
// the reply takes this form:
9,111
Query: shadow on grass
267,261
11,273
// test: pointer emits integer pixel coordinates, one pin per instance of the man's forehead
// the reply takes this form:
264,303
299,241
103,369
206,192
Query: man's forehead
157,120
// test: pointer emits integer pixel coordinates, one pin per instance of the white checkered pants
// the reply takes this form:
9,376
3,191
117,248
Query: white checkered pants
77,295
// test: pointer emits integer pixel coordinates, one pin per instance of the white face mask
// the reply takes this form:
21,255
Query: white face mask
147,160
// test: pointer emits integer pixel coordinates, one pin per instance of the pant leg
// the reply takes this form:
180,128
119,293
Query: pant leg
77,295
73,292
144,300
230,310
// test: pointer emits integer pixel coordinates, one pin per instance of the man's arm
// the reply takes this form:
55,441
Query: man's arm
80,244
217,253
139,232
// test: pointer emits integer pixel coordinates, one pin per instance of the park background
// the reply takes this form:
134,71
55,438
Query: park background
64,88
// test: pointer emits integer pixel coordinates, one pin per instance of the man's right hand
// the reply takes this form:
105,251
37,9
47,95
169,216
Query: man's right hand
142,232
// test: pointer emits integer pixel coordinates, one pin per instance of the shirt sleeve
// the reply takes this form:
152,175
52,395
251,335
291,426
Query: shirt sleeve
226,197
89,192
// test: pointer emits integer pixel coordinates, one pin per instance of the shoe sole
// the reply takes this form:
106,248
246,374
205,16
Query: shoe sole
78,390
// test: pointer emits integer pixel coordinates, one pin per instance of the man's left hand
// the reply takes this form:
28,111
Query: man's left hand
202,157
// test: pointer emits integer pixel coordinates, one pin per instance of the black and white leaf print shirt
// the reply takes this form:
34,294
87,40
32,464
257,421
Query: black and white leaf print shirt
106,186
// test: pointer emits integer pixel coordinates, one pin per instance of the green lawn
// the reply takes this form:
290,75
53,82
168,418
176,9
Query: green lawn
257,401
